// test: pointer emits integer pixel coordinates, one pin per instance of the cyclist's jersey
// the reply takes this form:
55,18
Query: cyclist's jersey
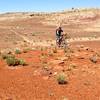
58,32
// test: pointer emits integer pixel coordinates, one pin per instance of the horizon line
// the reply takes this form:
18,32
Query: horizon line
67,9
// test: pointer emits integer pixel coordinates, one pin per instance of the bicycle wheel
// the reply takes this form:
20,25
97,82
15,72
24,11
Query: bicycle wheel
57,41
64,43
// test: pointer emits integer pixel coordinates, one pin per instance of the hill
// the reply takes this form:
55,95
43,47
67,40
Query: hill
26,28
32,67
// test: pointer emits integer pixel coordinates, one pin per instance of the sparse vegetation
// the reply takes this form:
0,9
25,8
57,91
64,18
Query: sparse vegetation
22,62
50,53
44,58
65,50
71,66
46,63
17,51
61,78
41,49
68,51
43,54
45,66
33,34
26,50
55,50
5,56
12,61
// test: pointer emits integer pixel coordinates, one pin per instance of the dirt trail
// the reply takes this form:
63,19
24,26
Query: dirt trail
84,39
44,43
23,37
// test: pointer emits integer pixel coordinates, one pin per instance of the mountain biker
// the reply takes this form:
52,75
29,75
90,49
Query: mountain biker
59,33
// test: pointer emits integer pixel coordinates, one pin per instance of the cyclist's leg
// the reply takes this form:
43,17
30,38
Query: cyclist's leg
64,42
61,40
57,40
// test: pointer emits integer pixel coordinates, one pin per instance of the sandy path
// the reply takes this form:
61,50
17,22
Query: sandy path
45,43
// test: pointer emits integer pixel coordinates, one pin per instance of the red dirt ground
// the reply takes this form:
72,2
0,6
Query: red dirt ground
34,82
38,79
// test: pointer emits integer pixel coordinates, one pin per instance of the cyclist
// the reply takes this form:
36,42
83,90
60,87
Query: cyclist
59,33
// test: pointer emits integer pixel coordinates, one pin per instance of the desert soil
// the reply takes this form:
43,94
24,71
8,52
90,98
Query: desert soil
38,79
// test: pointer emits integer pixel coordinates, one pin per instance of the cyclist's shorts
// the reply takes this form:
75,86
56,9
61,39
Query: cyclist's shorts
58,37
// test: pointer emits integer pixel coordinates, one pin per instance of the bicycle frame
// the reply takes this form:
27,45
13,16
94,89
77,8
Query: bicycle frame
61,41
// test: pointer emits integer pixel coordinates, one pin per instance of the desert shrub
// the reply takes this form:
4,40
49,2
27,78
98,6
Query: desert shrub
65,50
61,78
43,54
5,56
71,66
26,50
52,44
33,34
68,50
32,15
18,51
95,36
22,62
41,49
55,50
12,61
45,66
50,53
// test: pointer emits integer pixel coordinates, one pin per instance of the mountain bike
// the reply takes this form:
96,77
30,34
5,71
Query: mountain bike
61,41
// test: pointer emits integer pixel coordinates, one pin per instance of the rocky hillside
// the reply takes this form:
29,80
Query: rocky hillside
21,28
73,16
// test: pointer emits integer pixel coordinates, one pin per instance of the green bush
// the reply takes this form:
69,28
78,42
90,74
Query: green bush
22,62
5,56
12,61
17,51
61,78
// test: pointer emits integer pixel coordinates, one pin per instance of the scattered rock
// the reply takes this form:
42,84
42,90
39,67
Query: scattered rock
93,59
81,58
61,63
55,73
